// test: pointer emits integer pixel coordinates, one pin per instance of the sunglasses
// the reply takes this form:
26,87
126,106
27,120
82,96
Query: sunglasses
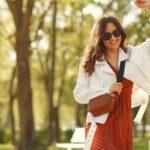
107,35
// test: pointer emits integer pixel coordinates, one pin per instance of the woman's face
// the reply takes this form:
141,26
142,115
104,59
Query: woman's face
114,42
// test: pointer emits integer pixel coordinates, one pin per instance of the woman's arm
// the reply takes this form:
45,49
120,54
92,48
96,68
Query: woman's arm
139,98
82,92
141,52
137,68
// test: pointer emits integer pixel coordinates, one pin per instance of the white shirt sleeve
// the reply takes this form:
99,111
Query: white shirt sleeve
141,52
137,69
83,92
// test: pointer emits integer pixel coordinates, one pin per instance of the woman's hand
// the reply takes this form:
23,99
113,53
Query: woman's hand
143,3
116,87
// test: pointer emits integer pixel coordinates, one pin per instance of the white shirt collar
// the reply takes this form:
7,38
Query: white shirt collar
122,56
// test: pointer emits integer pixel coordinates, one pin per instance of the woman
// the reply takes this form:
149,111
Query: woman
97,75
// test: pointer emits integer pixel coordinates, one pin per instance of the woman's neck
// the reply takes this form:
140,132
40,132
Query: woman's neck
112,54
112,57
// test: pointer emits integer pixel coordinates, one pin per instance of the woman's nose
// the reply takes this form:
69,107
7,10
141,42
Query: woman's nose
112,37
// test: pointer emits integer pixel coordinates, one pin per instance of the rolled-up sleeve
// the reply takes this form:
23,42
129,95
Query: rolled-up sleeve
82,91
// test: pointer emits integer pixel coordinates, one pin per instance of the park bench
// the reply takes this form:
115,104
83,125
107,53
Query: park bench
77,140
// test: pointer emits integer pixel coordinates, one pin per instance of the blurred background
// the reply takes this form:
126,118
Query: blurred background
41,42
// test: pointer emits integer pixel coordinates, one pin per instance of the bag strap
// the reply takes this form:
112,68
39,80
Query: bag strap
121,71
120,74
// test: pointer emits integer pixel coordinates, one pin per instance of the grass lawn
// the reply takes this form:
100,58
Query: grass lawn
139,144
7,147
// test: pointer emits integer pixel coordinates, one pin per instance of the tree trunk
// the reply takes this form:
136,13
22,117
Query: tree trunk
135,110
78,115
53,48
144,126
62,83
24,93
13,133
80,109
56,120
11,100
22,23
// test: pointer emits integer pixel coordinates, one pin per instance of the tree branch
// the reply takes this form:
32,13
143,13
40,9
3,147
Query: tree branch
41,22
41,63
12,6
28,13
53,33
63,74
36,37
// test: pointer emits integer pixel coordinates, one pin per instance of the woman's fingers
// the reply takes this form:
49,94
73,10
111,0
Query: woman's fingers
143,3
116,87
119,84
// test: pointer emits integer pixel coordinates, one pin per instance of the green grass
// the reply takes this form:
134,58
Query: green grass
139,144
7,146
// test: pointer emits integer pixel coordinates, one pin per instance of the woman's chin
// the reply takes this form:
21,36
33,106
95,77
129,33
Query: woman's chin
114,47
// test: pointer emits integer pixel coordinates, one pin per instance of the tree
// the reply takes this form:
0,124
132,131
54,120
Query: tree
21,15
52,75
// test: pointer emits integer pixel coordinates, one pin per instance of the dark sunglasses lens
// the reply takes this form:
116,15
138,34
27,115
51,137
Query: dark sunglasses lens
106,36
117,33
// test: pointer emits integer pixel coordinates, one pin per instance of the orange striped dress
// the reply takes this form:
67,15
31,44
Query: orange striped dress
116,133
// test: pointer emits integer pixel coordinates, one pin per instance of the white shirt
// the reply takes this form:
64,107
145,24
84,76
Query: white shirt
136,69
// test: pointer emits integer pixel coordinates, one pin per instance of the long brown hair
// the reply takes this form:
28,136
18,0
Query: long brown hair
95,48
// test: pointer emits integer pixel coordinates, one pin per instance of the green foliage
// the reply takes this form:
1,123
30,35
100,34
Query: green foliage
4,136
42,136
66,136
141,144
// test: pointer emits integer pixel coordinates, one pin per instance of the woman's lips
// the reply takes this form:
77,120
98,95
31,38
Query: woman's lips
113,42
